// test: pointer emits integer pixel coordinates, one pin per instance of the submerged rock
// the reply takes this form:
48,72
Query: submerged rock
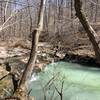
39,67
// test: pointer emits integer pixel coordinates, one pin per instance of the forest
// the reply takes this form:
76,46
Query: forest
49,49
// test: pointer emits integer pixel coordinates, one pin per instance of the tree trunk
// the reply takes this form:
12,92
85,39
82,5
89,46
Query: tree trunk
29,10
96,12
71,9
22,89
90,31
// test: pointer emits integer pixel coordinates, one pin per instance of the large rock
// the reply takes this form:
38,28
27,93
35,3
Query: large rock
6,83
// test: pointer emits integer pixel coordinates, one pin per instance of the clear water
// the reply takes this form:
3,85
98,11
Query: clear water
79,82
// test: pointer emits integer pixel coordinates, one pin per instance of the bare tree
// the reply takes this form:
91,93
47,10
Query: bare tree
29,10
71,9
22,89
96,12
90,31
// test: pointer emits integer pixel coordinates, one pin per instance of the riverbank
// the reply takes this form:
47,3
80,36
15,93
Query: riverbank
15,58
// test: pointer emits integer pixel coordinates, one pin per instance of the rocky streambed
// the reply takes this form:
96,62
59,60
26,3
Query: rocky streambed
12,63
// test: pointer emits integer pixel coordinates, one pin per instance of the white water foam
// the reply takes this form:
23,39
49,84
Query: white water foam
34,77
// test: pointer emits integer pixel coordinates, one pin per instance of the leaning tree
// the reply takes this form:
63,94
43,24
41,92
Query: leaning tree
93,37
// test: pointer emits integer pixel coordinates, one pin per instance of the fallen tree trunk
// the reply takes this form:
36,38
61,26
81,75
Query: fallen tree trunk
94,39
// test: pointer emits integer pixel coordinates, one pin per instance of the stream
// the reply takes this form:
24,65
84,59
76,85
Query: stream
77,82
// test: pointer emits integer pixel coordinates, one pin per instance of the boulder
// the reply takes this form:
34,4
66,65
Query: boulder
6,83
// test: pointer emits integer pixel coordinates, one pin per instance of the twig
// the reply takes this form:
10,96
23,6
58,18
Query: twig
4,76
60,92
52,79
7,91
